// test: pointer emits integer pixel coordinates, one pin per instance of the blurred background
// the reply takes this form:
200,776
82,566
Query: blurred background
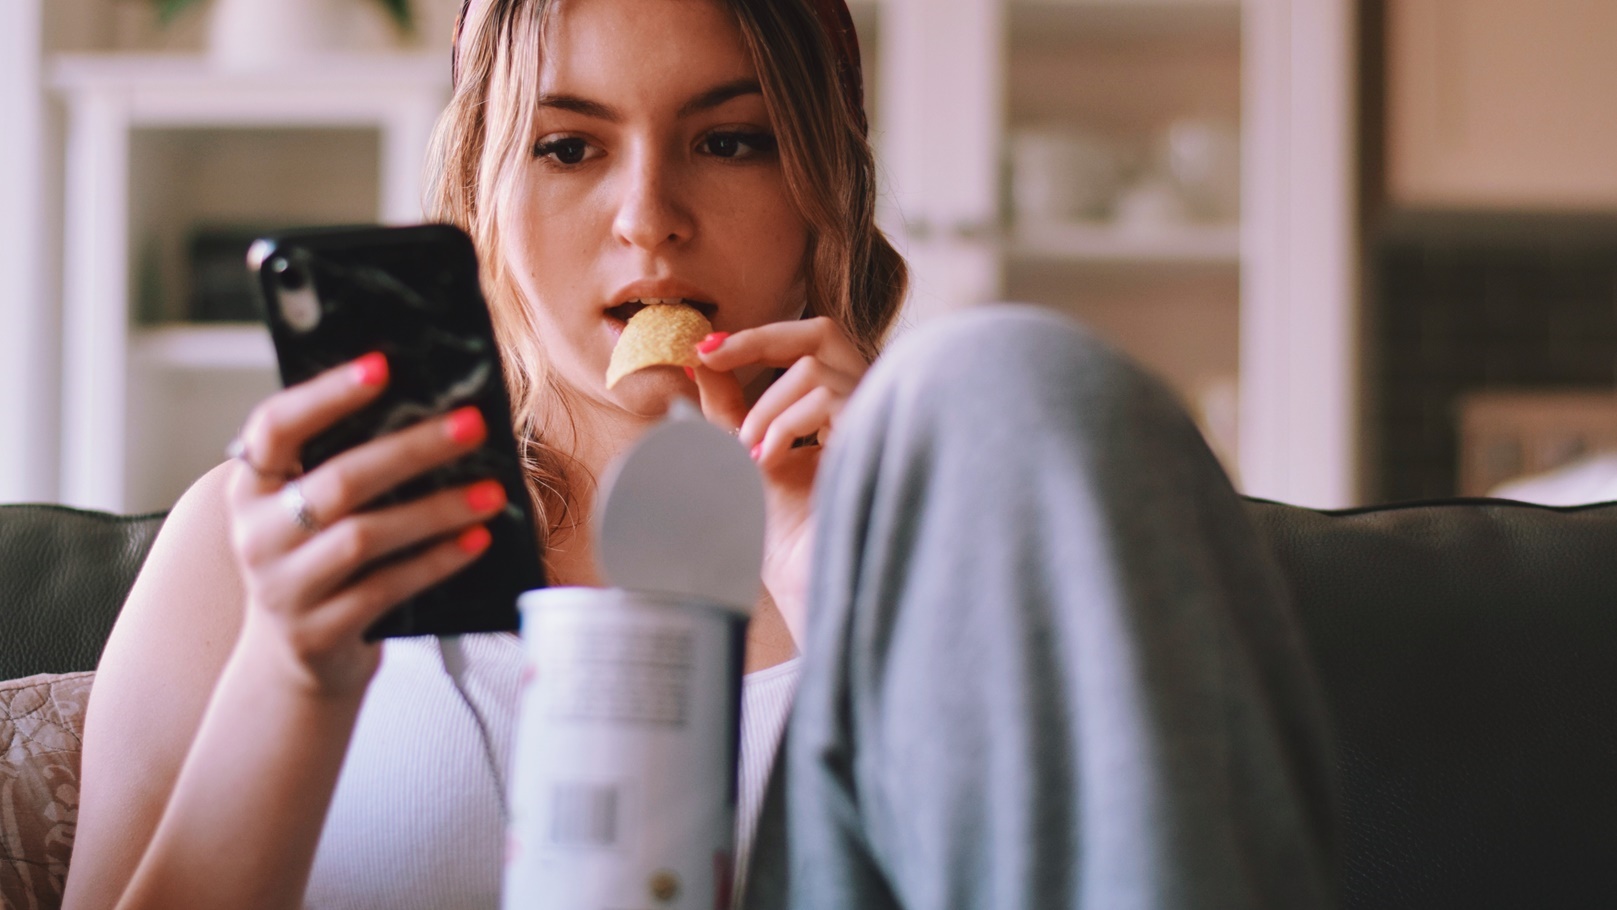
1371,243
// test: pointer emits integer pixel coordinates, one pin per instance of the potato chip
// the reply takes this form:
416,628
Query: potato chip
663,334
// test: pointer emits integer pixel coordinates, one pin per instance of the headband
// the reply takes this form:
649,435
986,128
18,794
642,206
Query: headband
835,20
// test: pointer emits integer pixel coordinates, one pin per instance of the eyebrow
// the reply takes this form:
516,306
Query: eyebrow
706,101
718,95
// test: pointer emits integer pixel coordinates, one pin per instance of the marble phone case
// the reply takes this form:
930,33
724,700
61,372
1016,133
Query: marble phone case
332,295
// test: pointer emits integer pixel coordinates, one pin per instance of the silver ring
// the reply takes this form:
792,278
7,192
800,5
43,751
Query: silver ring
297,506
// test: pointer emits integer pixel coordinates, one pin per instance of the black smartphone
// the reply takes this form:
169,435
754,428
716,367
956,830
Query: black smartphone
333,294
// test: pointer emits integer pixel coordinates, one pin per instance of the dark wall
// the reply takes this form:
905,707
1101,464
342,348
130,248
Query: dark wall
1528,303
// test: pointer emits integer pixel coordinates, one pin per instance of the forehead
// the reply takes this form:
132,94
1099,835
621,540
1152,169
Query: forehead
621,48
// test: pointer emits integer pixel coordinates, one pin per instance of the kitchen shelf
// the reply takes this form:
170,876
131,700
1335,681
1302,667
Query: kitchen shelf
1107,244
193,347
1046,21
187,88
140,396
1232,7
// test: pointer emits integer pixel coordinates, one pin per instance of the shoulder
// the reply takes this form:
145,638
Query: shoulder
185,609
190,574
177,626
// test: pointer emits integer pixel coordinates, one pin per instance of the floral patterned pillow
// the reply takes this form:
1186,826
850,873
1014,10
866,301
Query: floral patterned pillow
41,731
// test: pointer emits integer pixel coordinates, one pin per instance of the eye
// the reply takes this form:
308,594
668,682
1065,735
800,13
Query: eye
738,144
563,150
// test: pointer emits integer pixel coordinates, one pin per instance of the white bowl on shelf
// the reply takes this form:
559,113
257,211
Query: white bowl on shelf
1061,174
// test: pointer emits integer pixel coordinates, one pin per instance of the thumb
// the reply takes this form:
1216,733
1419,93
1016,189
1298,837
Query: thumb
719,393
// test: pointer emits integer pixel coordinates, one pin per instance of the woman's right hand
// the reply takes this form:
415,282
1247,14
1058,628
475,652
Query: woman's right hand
309,598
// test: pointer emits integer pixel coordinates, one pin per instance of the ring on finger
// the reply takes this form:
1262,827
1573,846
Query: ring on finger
238,451
297,506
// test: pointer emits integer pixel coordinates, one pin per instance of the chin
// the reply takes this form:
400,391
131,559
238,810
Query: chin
650,392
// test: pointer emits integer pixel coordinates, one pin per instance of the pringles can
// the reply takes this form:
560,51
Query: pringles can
625,794
623,782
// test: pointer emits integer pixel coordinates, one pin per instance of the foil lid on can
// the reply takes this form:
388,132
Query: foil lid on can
682,512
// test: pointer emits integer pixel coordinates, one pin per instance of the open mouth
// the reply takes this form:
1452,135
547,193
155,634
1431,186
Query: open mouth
623,311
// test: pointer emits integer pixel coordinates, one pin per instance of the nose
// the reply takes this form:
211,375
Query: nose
651,213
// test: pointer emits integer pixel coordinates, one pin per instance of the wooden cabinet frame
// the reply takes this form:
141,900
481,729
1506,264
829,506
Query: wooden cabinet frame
1299,384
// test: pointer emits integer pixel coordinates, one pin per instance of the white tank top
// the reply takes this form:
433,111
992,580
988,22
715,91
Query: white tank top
415,820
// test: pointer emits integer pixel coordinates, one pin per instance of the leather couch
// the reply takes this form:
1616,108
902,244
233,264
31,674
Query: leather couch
64,574
1468,652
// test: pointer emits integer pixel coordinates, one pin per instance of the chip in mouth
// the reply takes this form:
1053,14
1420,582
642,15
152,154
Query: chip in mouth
658,335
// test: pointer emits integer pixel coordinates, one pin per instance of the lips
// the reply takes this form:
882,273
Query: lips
623,311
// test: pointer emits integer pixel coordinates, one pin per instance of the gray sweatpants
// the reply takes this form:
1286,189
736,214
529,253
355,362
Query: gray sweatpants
1048,664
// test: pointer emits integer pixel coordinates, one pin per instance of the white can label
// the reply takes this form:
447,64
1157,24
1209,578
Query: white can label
623,786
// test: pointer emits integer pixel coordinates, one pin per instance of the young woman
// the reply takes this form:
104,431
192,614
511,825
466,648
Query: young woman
1044,664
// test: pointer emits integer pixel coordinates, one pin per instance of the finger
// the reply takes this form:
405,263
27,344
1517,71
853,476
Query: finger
358,476
807,374
723,401
347,615
348,481
779,344
814,412
277,429
331,558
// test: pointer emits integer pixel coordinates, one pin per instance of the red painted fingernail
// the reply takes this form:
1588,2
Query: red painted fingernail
466,425
757,450
371,369
690,374
474,539
485,496
711,343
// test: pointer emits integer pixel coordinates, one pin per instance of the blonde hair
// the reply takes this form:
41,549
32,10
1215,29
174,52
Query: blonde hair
852,274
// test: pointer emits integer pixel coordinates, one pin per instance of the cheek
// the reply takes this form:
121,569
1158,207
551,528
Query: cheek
790,261
768,234
773,215
548,256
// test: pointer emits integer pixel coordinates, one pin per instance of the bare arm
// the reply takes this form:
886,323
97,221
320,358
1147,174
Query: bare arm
226,697
160,664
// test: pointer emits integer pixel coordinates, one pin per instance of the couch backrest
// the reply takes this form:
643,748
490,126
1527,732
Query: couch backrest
64,574
1468,654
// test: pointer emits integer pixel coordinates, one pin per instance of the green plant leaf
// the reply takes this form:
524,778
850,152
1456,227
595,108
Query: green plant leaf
169,10
401,13
399,10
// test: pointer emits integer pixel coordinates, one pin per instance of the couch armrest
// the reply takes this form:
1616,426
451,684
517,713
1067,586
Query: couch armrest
41,735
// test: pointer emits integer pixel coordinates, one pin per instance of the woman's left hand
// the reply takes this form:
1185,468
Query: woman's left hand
822,369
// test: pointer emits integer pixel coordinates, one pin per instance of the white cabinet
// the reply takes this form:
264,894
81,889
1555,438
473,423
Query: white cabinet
155,145
27,335
1245,309
1259,310
938,138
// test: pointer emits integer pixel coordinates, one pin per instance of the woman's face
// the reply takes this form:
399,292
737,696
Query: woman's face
653,173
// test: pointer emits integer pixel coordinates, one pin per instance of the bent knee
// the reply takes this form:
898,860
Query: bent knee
1014,392
1008,356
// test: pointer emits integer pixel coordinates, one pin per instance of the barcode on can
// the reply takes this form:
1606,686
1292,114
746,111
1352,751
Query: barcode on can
583,815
